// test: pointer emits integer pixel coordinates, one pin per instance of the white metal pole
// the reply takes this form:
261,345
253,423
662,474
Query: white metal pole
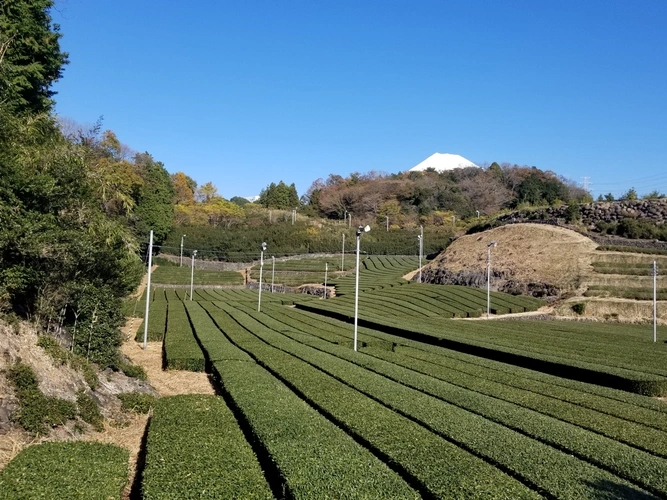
387,223
655,312
421,250
182,250
477,213
192,274
148,288
342,255
261,267
420,257
356,294
326,271
273,271
488,277
488,281
350,217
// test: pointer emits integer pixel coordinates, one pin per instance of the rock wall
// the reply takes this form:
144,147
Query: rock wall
591,213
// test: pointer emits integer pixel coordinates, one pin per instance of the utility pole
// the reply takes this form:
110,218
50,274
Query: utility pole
148,288
585,183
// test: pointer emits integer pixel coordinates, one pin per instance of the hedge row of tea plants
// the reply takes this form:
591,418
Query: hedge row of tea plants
182,352
313,458
503,447
624,448
432,464
631,249
633,293
215,346
66,471
171,275
157,322
196,449
304,454
623,364
633,407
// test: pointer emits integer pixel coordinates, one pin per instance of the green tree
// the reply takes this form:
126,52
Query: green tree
653,195
154,205
30,56
279,196
240,201
631,194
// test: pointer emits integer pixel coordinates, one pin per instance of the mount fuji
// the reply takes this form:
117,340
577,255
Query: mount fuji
443,161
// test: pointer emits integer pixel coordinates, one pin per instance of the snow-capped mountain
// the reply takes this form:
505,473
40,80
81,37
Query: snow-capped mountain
443,161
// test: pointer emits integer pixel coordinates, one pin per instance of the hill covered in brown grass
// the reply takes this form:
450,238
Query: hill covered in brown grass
538,259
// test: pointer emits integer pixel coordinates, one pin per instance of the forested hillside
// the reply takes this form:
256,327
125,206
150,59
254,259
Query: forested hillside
75,204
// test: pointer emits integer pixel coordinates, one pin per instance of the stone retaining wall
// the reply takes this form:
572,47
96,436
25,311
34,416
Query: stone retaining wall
591,213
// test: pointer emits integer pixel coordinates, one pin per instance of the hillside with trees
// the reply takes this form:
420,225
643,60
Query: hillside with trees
76,205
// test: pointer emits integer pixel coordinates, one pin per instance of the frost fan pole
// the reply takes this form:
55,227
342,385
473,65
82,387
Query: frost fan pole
148,288
655,314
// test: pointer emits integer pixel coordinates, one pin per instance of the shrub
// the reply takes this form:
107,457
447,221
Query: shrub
89,411
65,357
131,370
137,402
37,411
579,308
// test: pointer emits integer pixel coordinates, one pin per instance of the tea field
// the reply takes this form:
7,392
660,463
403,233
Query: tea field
428,407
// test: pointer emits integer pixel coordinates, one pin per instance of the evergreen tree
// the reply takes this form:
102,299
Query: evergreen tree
30,56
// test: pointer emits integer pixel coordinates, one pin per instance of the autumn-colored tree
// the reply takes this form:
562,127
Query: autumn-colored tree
207,192
183,192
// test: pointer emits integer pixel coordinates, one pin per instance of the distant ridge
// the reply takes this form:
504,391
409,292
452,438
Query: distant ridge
443,161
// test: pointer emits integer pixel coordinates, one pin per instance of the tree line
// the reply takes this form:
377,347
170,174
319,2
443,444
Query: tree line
76,205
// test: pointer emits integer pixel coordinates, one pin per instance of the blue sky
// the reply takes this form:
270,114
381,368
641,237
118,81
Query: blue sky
244,93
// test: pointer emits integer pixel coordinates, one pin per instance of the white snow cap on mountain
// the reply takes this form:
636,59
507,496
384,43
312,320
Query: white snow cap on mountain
443,161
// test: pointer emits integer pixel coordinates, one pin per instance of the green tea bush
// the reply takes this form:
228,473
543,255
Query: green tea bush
195,449
66,471
182,352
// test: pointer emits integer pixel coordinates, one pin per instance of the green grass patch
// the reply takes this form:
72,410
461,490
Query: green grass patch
37,412
89,411
136,402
